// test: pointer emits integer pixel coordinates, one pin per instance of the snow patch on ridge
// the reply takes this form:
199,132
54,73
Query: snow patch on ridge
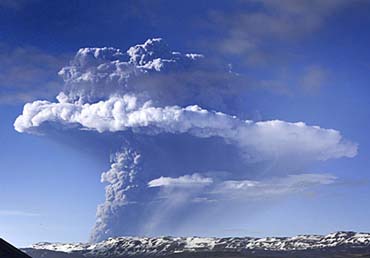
167,245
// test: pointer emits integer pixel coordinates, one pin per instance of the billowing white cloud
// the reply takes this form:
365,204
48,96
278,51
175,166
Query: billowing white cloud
262,140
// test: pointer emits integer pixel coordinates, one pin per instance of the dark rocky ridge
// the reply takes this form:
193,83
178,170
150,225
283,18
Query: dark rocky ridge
9,251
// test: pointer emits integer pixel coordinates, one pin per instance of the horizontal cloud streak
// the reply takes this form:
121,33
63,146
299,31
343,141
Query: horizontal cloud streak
267,139
182,181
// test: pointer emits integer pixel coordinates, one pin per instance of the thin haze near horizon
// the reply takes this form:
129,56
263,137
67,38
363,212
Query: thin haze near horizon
147,118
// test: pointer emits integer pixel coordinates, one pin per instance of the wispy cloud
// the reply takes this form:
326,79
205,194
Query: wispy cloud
268,35
310,79
18,213
28,73
197,191
15,4
314,78
213,189
248,31
272,187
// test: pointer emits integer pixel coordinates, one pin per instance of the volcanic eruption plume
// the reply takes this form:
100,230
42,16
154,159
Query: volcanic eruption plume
183,143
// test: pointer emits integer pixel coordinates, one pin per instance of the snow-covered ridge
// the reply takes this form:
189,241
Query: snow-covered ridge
158,246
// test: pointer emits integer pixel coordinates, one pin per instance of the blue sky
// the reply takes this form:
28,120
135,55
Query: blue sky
300,61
